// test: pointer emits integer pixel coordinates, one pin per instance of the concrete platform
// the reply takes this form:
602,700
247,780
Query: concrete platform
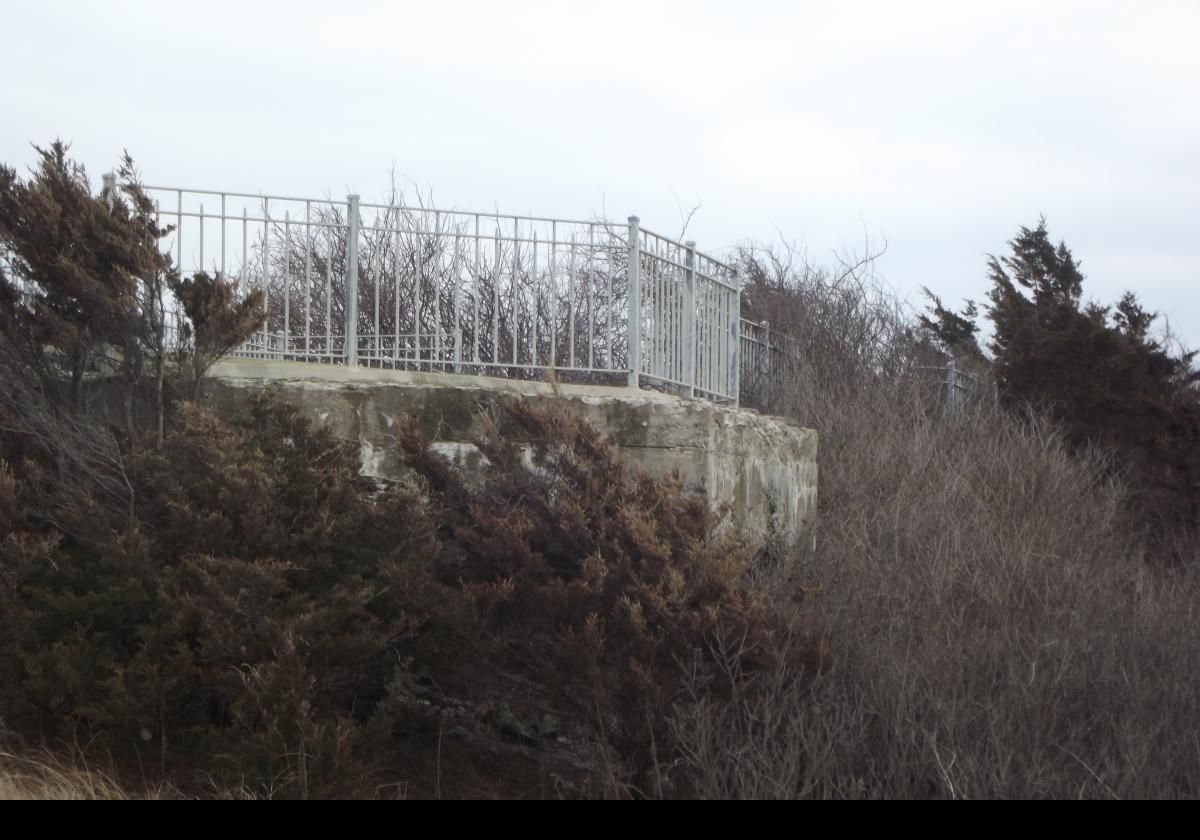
763,469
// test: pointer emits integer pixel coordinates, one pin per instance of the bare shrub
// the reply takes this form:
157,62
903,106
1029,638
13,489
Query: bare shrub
447,290
995,630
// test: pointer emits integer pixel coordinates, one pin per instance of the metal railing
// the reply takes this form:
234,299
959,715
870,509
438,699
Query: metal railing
690,317
420,288
957,385
768,357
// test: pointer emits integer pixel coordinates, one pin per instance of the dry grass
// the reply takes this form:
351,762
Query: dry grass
46,777
49,776
996,629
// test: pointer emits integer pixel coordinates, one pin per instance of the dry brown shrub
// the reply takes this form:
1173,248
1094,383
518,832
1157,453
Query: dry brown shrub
995,628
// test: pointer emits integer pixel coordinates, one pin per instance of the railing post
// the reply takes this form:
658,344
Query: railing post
689,321
109,191
766,367
735,356
352,222
635,302
952,386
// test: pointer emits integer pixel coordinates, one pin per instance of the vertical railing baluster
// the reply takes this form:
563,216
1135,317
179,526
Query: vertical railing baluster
496,298
331,235
245,251
266,281
635,303
287,281
352,224
534,296
735,366
609,304
307,281
418,290
591,280
179,230
571,304
396,284
376,334
553,294
222,235
688,374
516,324
456,274
438,255
475,289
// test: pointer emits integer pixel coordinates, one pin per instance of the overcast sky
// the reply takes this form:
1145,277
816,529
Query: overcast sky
938,127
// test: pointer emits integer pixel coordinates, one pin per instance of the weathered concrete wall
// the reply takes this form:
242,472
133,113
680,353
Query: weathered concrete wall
763,468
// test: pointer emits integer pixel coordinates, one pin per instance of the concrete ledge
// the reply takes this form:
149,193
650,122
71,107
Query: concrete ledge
762,470
336,375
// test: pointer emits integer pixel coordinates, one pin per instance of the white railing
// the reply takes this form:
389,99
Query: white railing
957,385
769,358
420,288
690,317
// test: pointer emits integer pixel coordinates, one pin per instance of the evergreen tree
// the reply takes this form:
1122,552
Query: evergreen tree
957,332
1099,371
86,292
68,276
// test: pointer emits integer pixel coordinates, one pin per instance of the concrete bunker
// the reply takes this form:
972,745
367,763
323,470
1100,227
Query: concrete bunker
762,469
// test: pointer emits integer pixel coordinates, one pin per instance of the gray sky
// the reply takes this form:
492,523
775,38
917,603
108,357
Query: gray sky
938,127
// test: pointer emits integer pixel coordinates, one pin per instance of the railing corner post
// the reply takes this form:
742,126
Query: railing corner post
689,321
766,330
635,302
952,385
352,223
735,327
109,190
